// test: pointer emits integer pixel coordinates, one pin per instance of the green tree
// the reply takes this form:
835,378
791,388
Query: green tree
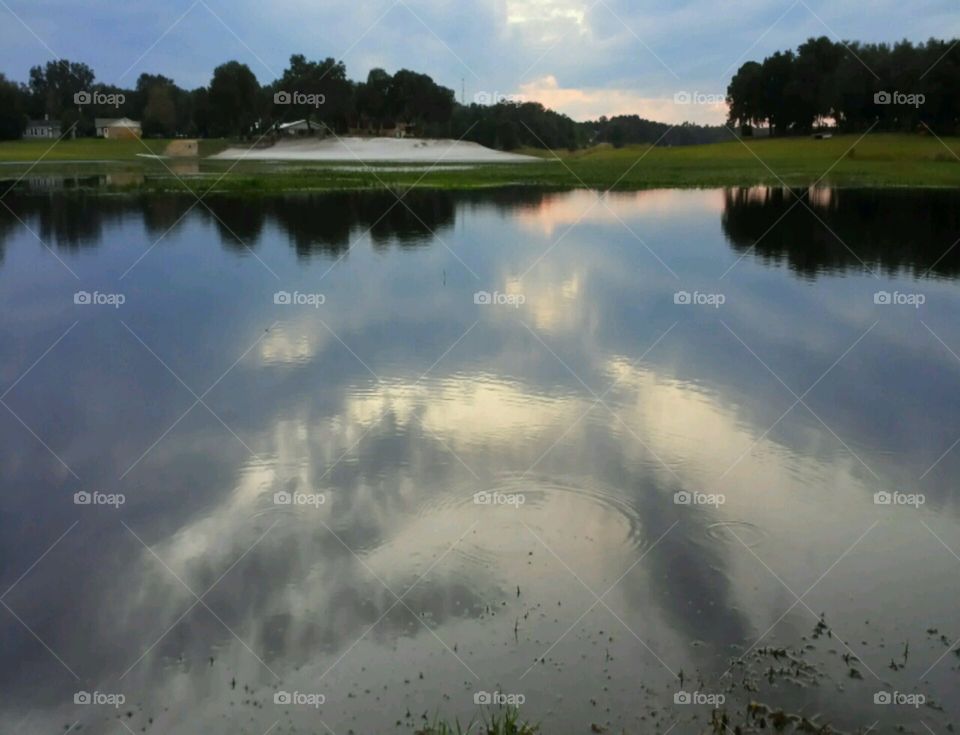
13,109
373,99
53,88
417,100
160,113
234,100
315,91
745,95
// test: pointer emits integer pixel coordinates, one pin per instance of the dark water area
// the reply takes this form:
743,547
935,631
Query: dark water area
336,462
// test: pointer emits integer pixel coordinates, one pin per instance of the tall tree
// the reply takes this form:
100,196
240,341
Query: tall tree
745,95
234,100
316,91
13,109
54,85
373,99
160,113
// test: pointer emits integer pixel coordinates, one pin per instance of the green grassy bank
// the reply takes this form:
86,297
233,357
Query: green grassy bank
874,160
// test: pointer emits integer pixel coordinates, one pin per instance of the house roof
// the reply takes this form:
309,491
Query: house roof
115,122
43,124
295,123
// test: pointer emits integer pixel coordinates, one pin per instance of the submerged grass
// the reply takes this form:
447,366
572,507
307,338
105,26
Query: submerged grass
846,161
507,722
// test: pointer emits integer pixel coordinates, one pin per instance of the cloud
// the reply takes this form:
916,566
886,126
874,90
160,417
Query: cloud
546,21
539,11
591,103
614,57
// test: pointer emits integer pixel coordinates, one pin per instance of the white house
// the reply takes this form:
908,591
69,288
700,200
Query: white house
42,129
117,128
299,127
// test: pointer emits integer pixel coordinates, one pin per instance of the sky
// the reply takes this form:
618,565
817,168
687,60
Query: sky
585,58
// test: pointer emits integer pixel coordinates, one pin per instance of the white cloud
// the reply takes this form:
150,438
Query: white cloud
541,11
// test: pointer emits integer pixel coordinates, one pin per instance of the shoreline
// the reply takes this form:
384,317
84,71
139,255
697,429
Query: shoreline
882,160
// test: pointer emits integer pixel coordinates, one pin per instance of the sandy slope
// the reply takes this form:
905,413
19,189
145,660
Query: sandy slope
403,150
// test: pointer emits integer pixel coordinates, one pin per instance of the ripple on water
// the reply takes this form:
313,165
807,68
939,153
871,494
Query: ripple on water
550,508
736,532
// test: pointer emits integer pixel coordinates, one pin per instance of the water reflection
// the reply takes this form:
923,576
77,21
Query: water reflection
595,401
314,223
888,230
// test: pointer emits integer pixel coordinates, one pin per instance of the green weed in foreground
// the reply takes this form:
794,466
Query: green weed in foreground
505,723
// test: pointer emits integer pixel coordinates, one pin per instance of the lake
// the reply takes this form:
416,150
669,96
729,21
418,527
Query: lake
340,463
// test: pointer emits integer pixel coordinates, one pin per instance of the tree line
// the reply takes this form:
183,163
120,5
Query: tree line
623,130
851,86
235,105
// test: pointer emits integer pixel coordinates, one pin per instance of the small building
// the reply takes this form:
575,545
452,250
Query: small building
398,130
122,128
298,128
42,129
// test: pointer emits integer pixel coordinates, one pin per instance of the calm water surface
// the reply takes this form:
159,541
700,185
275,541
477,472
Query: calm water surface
698,442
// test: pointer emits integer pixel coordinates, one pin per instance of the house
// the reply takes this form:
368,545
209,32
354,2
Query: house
42,129
399,130
298,128
117,128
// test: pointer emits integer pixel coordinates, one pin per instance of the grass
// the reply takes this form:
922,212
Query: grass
506,723
847,161
91,149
